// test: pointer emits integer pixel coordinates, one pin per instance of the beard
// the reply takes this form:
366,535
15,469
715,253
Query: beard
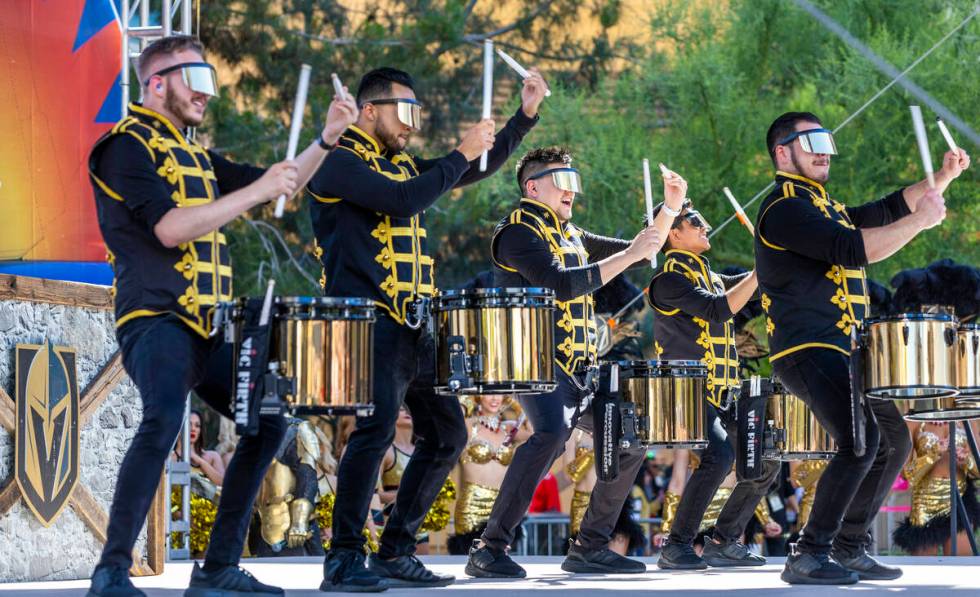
389,139
822,178
183,110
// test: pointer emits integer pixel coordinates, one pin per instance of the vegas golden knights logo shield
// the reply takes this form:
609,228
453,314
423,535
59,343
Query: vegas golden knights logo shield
47,428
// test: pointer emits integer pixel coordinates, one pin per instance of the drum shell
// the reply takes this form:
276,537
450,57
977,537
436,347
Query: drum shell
968,362
947,408
911,357
329,352
670,398
804,436
512,345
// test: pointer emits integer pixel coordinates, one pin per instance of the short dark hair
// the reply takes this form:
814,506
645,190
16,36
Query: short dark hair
537,160
164,47
786,125
656,211
377,83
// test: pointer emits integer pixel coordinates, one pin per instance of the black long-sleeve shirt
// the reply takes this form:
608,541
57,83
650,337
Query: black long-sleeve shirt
809,254
673,290
520,248
368,214
692,319
801,227
347,176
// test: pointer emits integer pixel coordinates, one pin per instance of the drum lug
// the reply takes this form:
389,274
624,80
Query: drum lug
905,334
460,364
950,334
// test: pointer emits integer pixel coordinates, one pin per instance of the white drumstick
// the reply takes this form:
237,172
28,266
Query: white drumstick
487,90
520,70
648,196
295,125
946,135
338,87
920,137
267,303
739,212
664,169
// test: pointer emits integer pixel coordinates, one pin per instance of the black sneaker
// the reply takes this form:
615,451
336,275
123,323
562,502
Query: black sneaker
680,556
230,581
815,569
601,561
728,555
344,572
866,567
112,582
489,562
407,571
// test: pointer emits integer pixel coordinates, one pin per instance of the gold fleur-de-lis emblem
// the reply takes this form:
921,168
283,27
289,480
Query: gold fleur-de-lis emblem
186,266
381,233
836,274
840,299
188,300
565,322
384,258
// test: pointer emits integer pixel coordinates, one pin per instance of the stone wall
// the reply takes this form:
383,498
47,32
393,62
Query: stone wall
68,549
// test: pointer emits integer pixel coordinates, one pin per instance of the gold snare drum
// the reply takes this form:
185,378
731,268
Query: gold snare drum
911,356
326,344
495,341
968,362
798,435
669,398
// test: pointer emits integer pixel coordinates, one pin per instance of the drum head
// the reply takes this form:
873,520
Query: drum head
323,307
909,317
940,409
494,297
663,368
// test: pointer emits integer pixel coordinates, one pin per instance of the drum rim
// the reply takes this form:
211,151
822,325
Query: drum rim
943,317
501,291
973,326
324,301
675,363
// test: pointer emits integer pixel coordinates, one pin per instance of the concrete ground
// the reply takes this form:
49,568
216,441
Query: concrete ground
301,576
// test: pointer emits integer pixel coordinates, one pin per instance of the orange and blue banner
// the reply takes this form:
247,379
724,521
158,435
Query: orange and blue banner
59,91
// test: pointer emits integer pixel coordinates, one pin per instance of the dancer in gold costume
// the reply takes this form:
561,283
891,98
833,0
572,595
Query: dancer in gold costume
927,471
491,445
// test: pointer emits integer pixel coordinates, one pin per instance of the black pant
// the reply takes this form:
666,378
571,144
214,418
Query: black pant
404,371
553,416
852,489
166,359
716,463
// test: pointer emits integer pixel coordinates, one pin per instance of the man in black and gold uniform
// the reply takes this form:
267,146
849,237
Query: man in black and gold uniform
810,253
537,246
368,211
693,311
161,200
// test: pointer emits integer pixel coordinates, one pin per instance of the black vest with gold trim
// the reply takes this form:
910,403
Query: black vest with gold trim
370,254
808,303
681,336
575,328
151,279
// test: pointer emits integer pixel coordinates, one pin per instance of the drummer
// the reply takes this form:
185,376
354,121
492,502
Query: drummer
693,320
157,194
368,216
537,246
810,255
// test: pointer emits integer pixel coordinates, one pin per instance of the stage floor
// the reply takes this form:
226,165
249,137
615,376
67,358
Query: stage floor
301,576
